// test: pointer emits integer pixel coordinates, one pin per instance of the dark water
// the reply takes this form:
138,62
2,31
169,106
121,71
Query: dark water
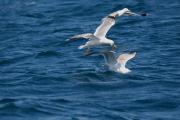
43,78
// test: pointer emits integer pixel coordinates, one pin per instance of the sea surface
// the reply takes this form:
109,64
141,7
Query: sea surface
42,77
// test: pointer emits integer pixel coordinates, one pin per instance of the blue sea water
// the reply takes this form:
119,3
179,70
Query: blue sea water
44,78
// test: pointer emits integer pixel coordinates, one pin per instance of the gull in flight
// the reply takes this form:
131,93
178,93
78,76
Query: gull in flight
99,36
117,64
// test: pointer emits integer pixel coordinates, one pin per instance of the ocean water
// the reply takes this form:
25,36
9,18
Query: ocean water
44,78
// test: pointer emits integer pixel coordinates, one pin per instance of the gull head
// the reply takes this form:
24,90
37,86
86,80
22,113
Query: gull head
112,44
114,47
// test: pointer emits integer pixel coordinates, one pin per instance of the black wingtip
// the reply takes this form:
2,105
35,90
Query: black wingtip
112,17
144,14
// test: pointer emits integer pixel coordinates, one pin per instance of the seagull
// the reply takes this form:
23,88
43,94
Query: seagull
117,64
99,36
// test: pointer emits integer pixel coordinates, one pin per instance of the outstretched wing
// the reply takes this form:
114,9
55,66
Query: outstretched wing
122,59
104,27
109,57
107,23
123,11
85,36
119,12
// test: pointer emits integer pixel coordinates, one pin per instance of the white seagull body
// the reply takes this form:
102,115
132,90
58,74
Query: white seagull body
99,36
118,64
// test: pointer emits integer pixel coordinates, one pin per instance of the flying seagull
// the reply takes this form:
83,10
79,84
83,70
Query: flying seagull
117,64
99,36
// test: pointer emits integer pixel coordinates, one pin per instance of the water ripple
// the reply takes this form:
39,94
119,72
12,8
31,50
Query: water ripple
43,77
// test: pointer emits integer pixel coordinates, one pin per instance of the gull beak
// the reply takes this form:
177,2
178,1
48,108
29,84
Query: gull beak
114,47
129,13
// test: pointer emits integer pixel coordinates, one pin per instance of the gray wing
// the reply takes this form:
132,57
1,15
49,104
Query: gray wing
119,12
122,59
125,11
104,27
109,57
107,23
85,36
